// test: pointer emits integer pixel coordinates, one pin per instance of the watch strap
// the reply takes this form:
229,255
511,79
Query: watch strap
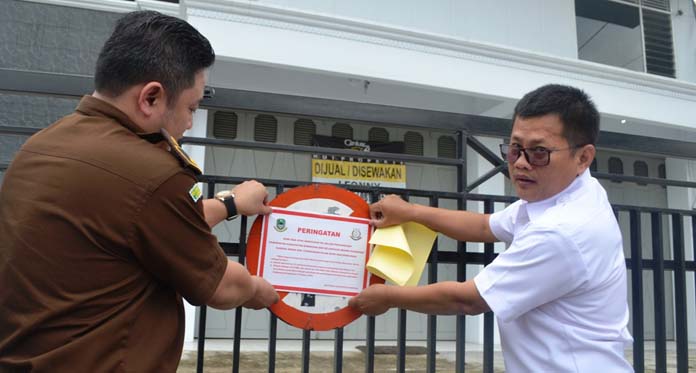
231,207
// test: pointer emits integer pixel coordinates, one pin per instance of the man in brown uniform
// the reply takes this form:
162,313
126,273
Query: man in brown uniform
102,228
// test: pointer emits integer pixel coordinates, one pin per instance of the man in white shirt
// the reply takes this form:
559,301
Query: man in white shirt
559,290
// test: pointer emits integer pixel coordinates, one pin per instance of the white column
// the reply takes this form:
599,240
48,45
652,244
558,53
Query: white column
685,199
197,153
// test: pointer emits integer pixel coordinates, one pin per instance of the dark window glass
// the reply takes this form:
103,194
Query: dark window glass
378,134
343,130
640,168
305,129
225,125
615,167
446,147
413,141
265,128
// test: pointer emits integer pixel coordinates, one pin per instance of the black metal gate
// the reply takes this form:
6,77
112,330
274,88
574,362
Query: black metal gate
676,266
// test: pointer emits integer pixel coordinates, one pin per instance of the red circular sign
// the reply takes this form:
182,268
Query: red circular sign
324,312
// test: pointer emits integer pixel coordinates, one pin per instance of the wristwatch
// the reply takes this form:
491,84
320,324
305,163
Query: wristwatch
227,198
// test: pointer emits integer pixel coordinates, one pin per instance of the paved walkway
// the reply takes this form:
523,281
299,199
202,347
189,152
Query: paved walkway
254,357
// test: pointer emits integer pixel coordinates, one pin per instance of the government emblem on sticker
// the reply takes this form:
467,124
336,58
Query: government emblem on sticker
280,225
195,192
355,235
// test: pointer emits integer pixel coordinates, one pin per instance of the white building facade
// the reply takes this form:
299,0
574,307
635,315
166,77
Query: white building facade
381,61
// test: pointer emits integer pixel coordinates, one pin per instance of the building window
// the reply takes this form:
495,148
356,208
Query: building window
378,134
305,129
593,165
225,125
413,142
659,53
662,172
446,147
629,34
640,168
342,130
657,4
265,128
615,167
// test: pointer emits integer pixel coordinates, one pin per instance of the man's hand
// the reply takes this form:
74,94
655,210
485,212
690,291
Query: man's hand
251,198
264,296
390,210
372,301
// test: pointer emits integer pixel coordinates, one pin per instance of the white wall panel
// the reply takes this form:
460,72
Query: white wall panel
538,25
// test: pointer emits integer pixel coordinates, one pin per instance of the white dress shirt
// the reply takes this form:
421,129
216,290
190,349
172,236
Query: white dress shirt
559,290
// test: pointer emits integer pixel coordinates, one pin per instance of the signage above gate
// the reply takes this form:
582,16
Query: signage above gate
358,171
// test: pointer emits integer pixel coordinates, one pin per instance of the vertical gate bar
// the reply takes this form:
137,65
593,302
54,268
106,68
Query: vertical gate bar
659,293
237,339
370,324
338,350
432,319
488,324
461,319
431,331
680,294
202,312
401,341
370,345
273,323
637,296
201,339
461,168
272,342
693,246
488,342
279,189
460,347
305,350
238,311
401,333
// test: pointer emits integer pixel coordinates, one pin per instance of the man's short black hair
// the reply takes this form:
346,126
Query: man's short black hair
149,46
574,107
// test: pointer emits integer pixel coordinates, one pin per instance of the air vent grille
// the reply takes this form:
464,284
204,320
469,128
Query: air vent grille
265,128
225,125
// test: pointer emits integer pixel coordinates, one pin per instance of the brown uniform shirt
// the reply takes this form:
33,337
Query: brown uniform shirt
98,237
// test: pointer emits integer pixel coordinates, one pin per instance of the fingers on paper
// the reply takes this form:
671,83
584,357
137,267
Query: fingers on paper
387,211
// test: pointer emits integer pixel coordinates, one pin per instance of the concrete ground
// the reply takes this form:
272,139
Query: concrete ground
254,357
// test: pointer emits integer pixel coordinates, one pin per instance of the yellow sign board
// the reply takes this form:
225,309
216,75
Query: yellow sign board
359,172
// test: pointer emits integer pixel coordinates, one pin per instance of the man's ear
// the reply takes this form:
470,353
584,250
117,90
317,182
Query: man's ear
585,155
152,98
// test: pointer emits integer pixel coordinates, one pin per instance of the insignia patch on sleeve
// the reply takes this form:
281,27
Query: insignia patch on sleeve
195,192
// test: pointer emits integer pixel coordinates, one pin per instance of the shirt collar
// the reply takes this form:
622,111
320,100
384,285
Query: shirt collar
533,210
90,105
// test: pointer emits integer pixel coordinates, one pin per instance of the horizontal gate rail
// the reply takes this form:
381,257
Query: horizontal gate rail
635,263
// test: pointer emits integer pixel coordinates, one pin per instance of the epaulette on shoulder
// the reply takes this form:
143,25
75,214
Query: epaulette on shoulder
179,153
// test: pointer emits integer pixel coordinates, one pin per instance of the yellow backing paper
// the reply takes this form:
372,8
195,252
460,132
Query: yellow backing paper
400,252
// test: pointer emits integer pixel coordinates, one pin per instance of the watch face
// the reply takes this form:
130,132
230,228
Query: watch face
223,194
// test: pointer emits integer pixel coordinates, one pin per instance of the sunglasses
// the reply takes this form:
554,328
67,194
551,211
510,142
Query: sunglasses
536,156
